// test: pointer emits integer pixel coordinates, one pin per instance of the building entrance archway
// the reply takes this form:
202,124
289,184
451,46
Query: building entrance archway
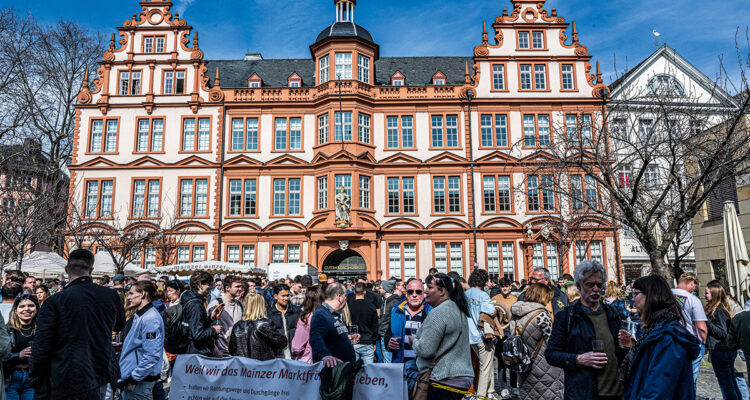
344,264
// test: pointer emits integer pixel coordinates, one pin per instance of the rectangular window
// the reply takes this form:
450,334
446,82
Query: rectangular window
344,181
238,139
194,197
99,199
280,134
493,258
103,141
235,197
392,136
537,39
571,129
364,192
536,130
567,77
596,251
401,197
342,129
532,193
441,257
244,134
149,257
592,195
400,136
543,130
233,254
509,264
523,40
439,82
529,131
294,83
199,253
525,76
552,264
445,136
179,87
322,193
146,206
248,255
193,142
323,129
544,255
160,44
295,133
496,193
438,195
243,197
394,260
343,65
148,44
548,196
498,77
287,188
624,175
252,134
277,253
150,135
130,83
323,69
652,174
183,254
540,77
364,68
457,258
168,82
494,131
576,192
292,253
587,136
363,127
407,132
398,82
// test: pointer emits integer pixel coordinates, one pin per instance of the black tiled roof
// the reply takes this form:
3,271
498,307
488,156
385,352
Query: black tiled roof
275,73
345,29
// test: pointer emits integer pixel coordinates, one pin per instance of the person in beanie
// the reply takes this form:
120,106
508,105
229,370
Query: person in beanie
393,289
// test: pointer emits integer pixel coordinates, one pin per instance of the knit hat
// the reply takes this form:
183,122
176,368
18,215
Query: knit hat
388,286
118,278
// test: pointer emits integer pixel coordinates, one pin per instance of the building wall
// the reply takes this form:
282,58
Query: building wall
371,231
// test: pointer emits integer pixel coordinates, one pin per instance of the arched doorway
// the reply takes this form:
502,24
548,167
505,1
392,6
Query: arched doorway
344,264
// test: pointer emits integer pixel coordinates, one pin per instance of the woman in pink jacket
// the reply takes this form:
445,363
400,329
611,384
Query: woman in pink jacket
301,349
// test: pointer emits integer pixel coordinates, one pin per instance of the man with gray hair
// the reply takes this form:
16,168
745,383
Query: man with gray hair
584,339
559,299
329,337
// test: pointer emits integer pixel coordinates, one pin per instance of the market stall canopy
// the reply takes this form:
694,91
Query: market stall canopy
214,267
105,265
41,264
735,254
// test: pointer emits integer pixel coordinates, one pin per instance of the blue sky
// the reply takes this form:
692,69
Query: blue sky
617,32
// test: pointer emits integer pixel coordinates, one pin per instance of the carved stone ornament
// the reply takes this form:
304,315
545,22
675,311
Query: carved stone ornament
529,232
546,231
343,245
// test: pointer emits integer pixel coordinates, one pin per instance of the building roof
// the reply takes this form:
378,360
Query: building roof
26,157
275,73
344,29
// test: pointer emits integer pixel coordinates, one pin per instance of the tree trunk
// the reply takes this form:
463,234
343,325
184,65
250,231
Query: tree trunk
660,266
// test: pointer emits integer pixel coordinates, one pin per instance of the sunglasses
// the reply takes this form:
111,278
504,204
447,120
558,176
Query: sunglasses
26,296
412,291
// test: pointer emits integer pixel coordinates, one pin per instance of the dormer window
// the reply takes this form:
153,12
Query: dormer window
254,81
397,79
438,78
294,80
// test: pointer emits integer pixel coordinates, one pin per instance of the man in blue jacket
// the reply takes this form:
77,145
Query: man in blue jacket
329,336
406,318
589,373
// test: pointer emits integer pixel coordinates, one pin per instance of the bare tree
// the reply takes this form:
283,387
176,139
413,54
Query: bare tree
651,164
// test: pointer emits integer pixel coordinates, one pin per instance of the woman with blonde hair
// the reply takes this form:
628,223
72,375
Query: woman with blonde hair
613,297
533,322
21,326
722,356
255,336
572,292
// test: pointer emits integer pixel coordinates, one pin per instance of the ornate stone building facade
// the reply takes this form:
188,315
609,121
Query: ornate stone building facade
433,153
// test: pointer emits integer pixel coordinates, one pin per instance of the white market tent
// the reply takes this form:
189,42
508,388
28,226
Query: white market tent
41,264
214,267
105,265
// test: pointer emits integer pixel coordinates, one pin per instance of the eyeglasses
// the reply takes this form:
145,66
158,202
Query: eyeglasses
412,291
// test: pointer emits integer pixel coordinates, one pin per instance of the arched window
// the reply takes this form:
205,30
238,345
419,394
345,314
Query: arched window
665,85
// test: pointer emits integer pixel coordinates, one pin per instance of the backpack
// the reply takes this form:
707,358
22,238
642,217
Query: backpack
176,330
516,355
337,383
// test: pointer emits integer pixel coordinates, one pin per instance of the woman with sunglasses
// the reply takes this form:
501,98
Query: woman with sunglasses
658,364
21,326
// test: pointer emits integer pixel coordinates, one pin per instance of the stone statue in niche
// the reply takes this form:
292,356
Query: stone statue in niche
343,204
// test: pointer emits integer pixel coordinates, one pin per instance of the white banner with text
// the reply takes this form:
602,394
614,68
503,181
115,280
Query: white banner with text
237,378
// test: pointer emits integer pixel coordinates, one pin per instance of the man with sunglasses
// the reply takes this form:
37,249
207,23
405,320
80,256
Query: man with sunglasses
584,339
559,299
406,318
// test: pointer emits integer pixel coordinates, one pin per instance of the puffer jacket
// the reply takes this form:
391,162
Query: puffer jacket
543,381
257,339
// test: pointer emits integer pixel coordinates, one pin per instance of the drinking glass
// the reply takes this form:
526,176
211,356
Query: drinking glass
597,346
353,329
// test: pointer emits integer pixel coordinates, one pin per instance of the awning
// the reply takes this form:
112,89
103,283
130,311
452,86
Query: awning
105,265
214,267
735,254
41,264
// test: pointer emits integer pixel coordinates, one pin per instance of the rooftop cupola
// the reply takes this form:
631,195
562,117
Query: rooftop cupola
345,10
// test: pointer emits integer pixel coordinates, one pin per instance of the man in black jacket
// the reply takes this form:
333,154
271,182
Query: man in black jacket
284,316
364,316
202,333
72,355
394,291
559,300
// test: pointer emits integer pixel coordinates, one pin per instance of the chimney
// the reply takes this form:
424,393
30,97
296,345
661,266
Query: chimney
253,56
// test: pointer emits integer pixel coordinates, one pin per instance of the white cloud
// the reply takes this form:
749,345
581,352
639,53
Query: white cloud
181,5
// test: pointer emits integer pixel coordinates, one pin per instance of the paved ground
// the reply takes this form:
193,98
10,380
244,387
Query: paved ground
707,387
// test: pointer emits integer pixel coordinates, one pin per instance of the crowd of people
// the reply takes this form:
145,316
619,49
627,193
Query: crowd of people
580,337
